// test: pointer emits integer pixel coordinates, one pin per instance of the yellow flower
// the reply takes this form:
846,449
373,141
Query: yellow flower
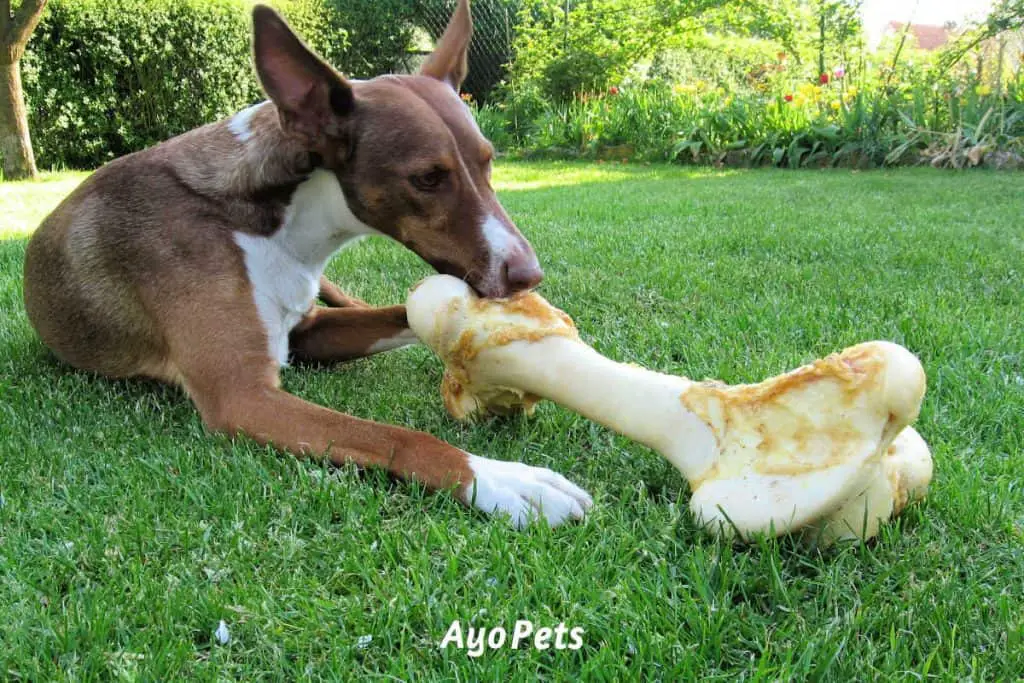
701,85
836,105
983,90
851,92
809,91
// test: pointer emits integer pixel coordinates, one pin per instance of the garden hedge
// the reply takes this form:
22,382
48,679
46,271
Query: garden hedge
107,77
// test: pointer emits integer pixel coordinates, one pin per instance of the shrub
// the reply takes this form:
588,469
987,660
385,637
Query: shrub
321,26
494,126
737,64
570,48
107,77
379,33
565,49
817,126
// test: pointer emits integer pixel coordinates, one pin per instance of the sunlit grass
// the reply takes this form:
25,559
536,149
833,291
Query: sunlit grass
23,205
127,532
553,175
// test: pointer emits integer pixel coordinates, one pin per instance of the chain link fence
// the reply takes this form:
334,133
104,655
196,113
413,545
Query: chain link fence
490,52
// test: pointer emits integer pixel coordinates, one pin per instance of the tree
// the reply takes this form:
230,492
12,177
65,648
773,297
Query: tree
1006,15
568,47
838,24
15,144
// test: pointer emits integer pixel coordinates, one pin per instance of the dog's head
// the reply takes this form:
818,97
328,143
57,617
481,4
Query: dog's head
408,155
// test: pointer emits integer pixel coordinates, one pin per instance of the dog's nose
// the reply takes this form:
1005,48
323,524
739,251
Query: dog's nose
522,272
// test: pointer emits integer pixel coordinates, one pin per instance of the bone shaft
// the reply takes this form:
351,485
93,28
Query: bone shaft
638,403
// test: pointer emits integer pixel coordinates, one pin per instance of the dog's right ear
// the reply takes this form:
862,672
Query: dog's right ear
312,98
449,60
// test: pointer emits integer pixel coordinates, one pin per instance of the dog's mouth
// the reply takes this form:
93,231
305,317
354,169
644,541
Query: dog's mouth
490,289
505,273
497,284
487,285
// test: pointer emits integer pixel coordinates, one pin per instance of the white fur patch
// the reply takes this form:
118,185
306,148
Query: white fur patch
239,124
525,493
285,268
403,338
500,242
499,238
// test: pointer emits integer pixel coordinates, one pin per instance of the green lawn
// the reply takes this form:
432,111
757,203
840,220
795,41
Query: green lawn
127,532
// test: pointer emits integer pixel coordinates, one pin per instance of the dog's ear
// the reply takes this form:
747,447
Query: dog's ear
311,97
448,62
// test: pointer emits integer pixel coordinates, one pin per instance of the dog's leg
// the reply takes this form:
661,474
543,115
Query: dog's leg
330,335
333,297
219,353
249,403
271,416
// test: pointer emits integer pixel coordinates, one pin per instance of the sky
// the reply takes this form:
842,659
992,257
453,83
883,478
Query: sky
879,12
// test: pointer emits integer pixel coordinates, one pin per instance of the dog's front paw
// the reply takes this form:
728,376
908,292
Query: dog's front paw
524,492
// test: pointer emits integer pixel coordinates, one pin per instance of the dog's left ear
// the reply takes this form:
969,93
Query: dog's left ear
448,62
312,99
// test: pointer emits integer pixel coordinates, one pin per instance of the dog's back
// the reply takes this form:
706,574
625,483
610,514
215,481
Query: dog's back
131,235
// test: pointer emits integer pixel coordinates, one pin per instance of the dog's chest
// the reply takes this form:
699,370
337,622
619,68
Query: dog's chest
283,288
284,269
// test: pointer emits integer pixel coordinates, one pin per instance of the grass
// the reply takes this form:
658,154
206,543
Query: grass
24,205
127,532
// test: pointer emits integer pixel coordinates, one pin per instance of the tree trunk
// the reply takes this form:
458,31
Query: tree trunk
15,143
821,41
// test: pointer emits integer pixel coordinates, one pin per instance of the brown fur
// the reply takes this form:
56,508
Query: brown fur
137,272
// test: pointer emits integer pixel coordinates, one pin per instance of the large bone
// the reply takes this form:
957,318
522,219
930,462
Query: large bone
825,449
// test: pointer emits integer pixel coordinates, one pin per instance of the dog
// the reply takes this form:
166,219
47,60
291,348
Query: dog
199,261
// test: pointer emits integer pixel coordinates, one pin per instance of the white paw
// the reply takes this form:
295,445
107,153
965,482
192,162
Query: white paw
525,493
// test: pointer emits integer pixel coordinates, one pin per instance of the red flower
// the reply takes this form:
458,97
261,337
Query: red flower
823,78
788,98
613,90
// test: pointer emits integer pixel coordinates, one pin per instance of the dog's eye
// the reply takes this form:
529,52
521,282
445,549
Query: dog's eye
430,181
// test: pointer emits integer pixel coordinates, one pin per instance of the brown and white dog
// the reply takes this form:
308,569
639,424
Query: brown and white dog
198,261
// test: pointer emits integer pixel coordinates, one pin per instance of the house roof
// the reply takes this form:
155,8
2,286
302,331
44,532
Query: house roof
928,37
